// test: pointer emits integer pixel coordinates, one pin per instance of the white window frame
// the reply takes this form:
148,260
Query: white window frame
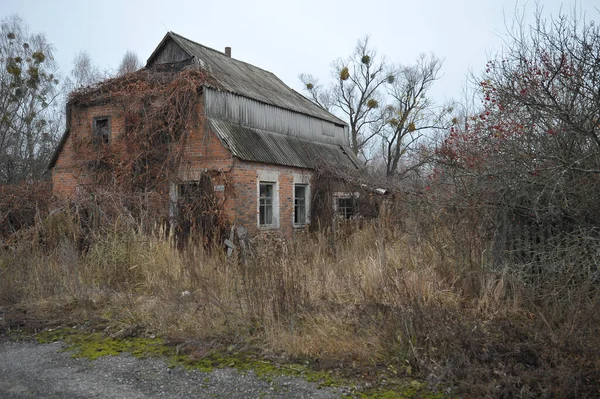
301,180
305,187
341,195
266,177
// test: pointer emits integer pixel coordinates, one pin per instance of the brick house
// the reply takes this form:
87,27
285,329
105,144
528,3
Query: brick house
259,139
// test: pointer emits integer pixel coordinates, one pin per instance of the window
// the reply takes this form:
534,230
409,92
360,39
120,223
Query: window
346,206
180,195
301,197
101,130
300,208
265,204
188,190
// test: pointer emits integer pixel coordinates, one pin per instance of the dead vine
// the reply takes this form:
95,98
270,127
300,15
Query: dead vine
156,112
159,109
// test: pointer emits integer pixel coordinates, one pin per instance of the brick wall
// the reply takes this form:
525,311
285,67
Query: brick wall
68,173
246,176
203,152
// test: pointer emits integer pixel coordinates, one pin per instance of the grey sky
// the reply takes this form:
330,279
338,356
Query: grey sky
286,37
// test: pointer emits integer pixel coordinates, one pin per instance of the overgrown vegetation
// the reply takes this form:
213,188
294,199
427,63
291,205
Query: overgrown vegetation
481,275
159,109
405,301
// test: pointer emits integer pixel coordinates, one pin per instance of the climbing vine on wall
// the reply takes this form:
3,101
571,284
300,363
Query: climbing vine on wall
156,110
159,109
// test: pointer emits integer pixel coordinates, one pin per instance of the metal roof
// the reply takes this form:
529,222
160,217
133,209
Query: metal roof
250,144
248,80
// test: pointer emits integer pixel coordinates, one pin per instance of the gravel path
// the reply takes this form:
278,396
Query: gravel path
31,370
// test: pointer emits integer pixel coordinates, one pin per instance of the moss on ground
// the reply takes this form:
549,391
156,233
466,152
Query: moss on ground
96,344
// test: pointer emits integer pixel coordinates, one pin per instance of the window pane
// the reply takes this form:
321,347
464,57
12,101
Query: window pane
261,219
101,123
265,204
266,190
269,214
300,192
102,130
346,207
300,205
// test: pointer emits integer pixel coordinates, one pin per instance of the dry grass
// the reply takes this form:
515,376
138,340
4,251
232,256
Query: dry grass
412,301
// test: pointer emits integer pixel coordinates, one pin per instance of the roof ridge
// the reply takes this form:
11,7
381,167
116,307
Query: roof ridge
199,44
246,79
223,54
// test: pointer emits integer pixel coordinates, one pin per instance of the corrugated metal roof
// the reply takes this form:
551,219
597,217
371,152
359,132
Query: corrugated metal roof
257,145
248,80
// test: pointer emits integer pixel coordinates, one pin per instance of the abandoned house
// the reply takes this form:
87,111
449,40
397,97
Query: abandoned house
254,145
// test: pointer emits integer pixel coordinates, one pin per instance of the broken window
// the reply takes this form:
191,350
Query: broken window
265,204
300,208
101,130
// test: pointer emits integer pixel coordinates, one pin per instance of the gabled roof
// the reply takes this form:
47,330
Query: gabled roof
256,145
245,79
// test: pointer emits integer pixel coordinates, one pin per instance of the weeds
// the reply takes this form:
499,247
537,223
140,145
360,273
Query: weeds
427,309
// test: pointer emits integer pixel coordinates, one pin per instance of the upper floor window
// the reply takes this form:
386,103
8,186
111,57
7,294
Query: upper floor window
101,130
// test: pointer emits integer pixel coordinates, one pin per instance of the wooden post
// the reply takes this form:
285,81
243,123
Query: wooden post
383,226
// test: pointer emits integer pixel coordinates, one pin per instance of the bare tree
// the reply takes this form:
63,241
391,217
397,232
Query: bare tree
316,92
130,63
356,92
84,72
410,113
28,90
531,155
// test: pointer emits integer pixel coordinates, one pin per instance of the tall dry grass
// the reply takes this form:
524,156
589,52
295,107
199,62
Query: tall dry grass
416,300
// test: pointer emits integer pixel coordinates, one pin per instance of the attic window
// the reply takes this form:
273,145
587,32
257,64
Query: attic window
101,130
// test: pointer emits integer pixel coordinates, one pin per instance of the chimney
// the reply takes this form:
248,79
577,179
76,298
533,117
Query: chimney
228,51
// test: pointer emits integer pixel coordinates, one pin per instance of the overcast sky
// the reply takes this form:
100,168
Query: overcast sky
287,37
